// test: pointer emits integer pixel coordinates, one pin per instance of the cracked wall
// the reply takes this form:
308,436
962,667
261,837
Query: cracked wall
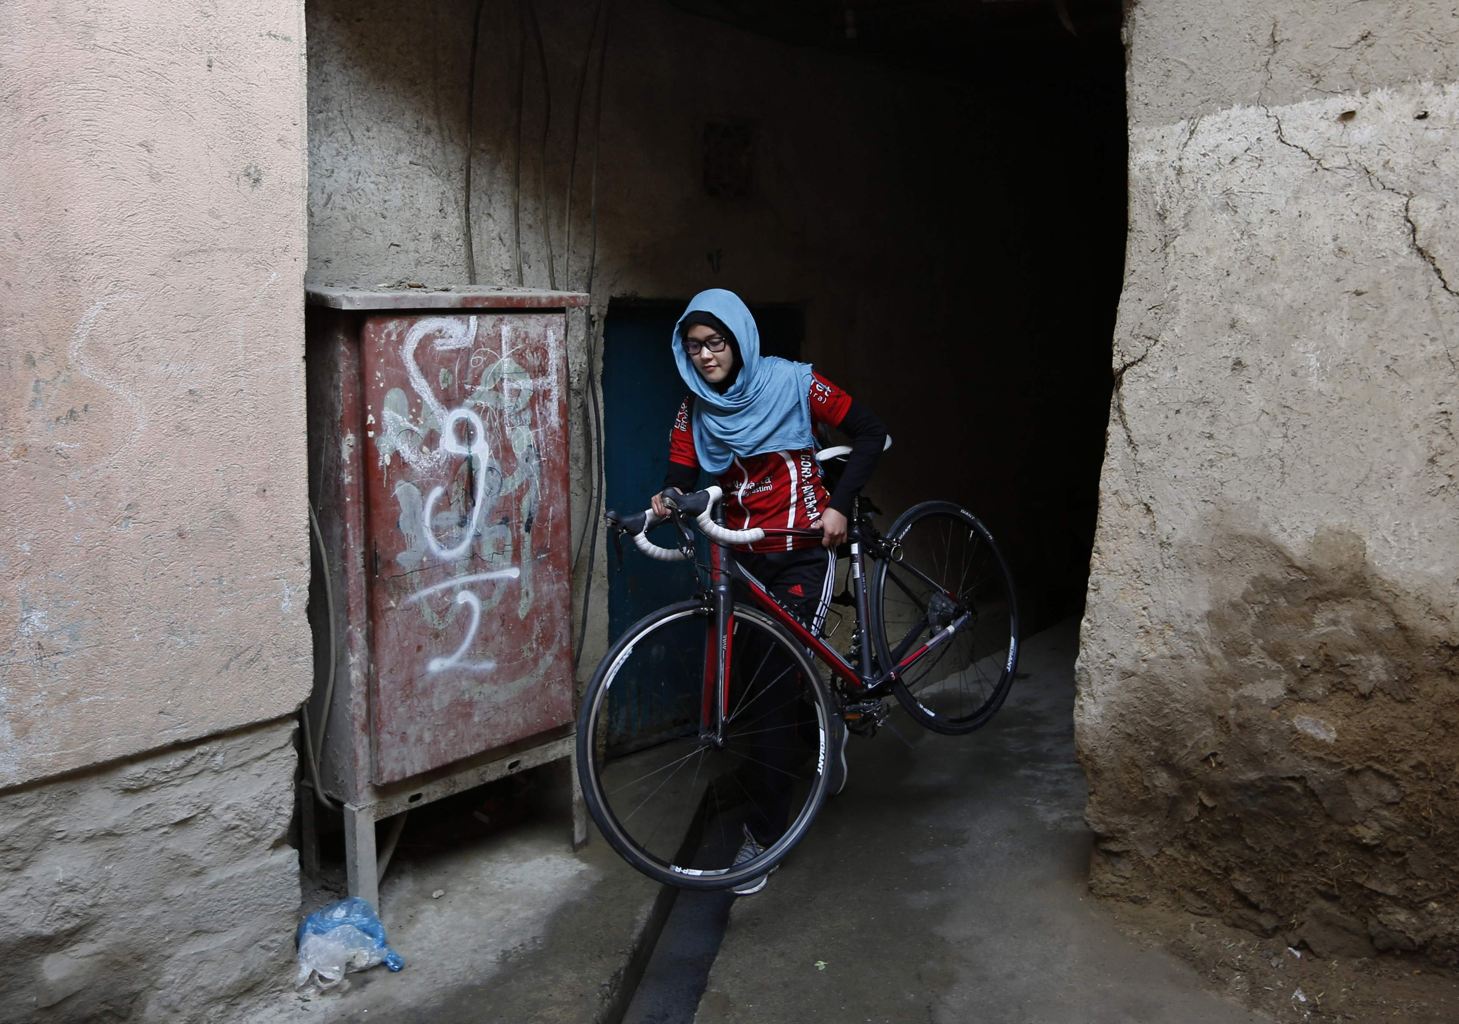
1269,666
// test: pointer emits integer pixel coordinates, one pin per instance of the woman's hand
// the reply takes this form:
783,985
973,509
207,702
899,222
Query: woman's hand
660,509
833,526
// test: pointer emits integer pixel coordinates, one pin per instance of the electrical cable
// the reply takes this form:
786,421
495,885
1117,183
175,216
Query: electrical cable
517,176
595,508
546,129
597,412
572,162
470,145
597,334
597,145
589,525
311,753
595,458
593,443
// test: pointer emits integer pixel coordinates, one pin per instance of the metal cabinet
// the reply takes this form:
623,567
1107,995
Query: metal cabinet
439,469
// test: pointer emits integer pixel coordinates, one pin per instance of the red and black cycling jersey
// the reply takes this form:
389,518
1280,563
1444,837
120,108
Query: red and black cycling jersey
776,490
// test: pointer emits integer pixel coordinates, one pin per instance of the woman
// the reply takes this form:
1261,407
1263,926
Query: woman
749,420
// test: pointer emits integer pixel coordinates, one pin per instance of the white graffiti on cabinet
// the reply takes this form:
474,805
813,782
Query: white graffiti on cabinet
455,659
476,449
498,406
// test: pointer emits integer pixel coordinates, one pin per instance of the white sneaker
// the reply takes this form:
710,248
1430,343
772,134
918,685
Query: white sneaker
750,849
838,739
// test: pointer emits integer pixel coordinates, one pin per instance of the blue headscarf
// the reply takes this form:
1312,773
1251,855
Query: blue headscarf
766,409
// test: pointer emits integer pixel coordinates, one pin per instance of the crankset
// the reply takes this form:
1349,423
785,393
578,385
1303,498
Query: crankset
865,717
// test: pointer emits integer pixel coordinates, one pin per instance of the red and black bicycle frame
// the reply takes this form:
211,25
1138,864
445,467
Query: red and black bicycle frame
724,570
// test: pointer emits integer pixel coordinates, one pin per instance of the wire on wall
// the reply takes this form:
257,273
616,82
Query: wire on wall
531,9
596,346
597,145
517,174
470,145
594,443
577,125
311,750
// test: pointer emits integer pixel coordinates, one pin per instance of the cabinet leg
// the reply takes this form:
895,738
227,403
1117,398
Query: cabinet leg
359,854
579,806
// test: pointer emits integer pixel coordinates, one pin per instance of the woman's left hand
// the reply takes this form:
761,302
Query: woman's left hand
833,525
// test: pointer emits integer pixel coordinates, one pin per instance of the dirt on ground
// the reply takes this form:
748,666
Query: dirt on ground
1295,986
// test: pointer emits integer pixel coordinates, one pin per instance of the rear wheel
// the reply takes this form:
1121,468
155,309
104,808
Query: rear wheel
942,567
672,798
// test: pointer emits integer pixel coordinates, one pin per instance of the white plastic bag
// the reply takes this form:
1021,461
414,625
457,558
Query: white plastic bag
344,936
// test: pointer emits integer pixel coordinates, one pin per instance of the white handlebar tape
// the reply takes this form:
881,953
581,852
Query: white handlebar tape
648,547
651,549
718,533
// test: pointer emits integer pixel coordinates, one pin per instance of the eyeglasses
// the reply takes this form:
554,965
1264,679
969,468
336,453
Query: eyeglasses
715,343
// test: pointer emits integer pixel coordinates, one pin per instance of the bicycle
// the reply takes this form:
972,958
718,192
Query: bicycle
677,738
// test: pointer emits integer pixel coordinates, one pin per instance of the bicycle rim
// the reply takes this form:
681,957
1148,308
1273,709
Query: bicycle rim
668,797
945,563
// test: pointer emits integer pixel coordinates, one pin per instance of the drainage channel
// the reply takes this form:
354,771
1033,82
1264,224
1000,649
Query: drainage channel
677,971
669,975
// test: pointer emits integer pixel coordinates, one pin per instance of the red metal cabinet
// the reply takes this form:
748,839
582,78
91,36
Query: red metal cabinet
439,451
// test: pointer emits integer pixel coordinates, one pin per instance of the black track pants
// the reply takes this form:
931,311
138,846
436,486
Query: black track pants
802,581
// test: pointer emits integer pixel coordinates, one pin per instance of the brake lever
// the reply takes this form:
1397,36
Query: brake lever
687,534
615,527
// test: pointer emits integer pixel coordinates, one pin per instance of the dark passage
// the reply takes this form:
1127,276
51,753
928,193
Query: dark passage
997,394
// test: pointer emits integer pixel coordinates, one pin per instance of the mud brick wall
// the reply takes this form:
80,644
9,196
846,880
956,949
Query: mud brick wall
1268,701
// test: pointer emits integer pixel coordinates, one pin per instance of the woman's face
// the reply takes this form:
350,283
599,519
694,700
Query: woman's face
712,366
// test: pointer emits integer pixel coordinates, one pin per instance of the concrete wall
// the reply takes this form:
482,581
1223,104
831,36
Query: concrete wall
1268,677
156,889
153,531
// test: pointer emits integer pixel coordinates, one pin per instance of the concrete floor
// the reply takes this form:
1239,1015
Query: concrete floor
524,930
945,884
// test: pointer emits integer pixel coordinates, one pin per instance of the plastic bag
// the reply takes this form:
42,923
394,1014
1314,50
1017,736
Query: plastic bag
344,936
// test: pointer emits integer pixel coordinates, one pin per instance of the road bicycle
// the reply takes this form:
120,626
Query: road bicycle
703,707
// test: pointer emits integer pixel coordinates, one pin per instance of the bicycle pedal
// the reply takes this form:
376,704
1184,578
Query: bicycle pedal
864,717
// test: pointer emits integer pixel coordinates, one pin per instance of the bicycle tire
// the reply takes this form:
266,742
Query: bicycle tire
640,719
960,687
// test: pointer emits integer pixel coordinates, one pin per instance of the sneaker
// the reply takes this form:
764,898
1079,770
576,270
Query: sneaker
837,740
750,849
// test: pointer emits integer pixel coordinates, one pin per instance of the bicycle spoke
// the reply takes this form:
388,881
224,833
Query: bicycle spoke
661,785
765,688
762,763
948,569
671,803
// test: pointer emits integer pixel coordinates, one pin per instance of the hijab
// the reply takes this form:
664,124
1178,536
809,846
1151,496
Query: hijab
765,408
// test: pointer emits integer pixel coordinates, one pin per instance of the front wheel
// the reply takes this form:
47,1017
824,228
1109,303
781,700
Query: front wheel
673,795
943,569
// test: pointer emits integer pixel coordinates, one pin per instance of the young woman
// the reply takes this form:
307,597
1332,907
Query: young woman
749,421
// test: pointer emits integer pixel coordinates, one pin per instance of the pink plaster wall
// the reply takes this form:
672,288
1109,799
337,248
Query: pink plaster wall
153,527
